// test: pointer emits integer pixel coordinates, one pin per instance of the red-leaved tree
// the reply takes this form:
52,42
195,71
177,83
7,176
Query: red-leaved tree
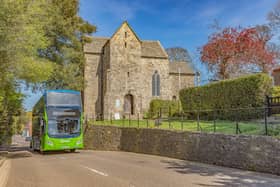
235,50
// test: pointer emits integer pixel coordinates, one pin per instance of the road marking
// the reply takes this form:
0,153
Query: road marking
96,171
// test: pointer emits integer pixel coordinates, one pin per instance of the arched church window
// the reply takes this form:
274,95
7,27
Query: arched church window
156,84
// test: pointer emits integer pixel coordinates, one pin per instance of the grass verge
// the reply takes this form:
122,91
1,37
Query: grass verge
226,127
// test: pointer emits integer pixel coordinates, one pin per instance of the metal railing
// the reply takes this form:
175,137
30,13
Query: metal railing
253,121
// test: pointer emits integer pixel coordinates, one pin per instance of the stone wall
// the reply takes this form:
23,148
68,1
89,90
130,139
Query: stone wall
185,81
126,72
257,153
123,73
92,104
102,138
151,65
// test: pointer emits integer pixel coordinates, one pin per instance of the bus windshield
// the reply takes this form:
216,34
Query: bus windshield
63,127
64,122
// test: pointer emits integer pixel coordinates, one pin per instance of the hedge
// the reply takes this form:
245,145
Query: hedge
228,95
164,107
276,91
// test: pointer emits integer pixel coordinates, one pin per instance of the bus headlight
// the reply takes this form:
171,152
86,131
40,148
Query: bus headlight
78,142
50,143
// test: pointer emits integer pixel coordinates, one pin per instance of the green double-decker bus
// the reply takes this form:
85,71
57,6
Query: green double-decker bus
57,121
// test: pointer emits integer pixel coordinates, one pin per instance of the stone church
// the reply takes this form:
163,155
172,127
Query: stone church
124,73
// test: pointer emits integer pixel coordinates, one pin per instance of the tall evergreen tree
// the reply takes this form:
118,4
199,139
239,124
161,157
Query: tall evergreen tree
67,33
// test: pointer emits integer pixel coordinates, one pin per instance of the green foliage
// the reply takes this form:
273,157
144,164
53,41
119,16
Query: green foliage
276,91
22,33
165,107
10,106
67,34
225,96
20,121
41,43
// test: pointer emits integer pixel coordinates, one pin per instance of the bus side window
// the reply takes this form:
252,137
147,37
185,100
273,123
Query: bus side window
42,125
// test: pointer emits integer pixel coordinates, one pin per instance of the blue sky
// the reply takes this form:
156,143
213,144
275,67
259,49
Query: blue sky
184,23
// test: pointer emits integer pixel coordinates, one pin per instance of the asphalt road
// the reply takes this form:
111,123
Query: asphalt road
114,169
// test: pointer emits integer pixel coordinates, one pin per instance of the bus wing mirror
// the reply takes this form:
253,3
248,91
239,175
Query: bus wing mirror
41,122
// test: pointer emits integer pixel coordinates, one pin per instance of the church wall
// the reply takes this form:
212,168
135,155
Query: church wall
150,66
177,83
92,80
120,72
123,74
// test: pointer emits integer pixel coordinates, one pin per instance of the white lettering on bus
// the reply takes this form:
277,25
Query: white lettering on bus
59,113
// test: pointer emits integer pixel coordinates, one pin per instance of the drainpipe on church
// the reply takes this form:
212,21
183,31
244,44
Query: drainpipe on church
179,71
197,78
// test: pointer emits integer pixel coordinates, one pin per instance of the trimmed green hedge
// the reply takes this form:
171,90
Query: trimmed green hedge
166,107
276,91
225,96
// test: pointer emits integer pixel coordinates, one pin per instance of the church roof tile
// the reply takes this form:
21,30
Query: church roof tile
153,49
96,45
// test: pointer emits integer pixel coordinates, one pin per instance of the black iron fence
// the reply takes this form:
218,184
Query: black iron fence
240,120
252,121
273,104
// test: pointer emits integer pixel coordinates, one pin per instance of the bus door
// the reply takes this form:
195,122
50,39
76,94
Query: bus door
42,132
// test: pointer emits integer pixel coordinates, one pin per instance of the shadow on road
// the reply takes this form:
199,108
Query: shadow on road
15,148
47,153
20,149
223,176
14,152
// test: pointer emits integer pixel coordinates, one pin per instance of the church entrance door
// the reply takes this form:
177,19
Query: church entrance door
128,104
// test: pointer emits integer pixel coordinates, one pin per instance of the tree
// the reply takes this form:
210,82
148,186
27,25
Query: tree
178,54
274,26
274,17
22,33
262,53
20,121
40,44
67,32
237,50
